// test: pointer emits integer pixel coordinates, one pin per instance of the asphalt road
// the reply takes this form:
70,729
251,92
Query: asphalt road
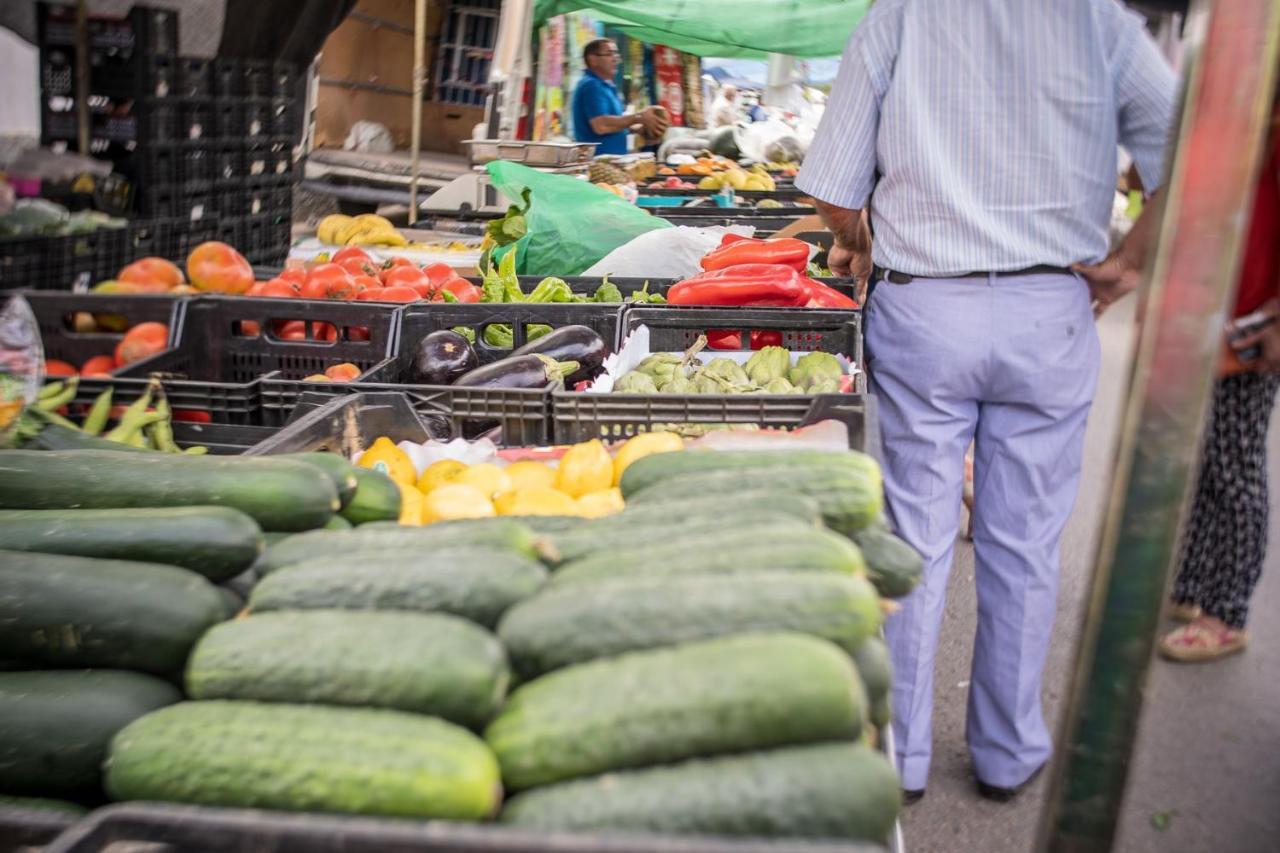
1206,772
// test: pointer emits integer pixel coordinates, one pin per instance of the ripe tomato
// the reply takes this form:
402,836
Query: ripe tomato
351,253
54,367
366,282
356,266
142,341
326,282
345,372
248,329
217,267
373,294
296,275
255,289
278,289
398,293
438,273
192,416
99,365
157,273
464,290
406,277
291,330
324,332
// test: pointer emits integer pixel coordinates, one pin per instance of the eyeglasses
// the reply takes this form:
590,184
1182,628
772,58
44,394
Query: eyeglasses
608,53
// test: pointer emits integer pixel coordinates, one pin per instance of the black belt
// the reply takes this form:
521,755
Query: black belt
895,277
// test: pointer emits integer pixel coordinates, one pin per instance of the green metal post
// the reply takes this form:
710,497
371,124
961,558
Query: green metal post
1207,198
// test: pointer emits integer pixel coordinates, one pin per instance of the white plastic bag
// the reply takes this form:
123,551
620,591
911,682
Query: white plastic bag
665,253
369,137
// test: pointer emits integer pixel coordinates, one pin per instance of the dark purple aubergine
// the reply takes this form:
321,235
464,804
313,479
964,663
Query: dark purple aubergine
442,357
571,343
519,371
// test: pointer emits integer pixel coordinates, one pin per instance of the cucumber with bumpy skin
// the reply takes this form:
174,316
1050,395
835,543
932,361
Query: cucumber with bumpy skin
493,533
305,758
427,663
217,542
60,611
278,494
779,546
580,622
474,583
730,694
829,790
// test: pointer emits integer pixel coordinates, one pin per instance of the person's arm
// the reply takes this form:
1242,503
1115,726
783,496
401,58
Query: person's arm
605,125
840,167
1145,87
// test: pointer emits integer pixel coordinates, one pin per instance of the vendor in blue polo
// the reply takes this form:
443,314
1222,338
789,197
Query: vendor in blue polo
598,112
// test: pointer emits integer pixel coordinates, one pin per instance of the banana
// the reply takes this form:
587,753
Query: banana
328,228
344,235
374,219
379,237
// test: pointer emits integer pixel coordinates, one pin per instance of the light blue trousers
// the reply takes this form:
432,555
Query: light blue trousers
1010,363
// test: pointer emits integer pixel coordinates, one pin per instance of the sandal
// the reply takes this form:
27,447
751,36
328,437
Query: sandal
1203,640
1180,611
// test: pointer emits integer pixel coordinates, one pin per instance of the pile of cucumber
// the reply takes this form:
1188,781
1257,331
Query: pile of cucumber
113,563
706,662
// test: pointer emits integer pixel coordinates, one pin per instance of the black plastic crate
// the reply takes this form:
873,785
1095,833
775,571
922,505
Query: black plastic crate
226,74
85,259
24,262
228,163
228,120
32,828
210,830
161,78
195,78
228,347
159,122
221,439
257,78
231,230
582,416
229,201
255,119
285,77
281,163
197,119
285,117
197,166
348,424
258,162
171,237
63,320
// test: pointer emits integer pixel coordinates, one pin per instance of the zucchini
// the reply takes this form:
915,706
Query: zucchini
55,726
60,611
830,790
849,500
729,694
893,565
570,624
650,470
217,542
278,494
784,546
337,523
874,666
42,804
341,472
305,758
476,583
428,663
377,498
492,533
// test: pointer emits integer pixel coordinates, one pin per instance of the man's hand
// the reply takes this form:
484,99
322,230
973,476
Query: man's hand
655,120
850,262
1267,338
1109,281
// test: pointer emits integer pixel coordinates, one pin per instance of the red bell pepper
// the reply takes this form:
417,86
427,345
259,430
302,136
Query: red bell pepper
787,251
761,338
820,295
730,239
724,339
746,284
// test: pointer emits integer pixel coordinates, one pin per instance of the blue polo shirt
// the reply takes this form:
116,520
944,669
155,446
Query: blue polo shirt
595,96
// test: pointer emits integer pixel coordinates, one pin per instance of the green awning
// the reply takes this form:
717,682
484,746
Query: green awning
731,28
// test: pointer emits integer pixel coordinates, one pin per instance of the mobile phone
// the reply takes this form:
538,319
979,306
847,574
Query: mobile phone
1243,327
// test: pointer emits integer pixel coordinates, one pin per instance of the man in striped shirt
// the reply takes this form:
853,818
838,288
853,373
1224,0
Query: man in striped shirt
980,138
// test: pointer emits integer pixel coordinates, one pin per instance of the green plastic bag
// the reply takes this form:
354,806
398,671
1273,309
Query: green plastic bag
571,224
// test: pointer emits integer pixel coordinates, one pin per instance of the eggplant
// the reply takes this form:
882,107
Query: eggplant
519,371
442,357
571,343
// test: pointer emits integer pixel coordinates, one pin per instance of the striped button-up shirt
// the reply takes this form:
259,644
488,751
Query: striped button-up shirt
984,132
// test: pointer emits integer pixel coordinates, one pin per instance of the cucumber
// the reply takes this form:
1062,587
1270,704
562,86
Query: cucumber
580,622
874,666
649,470
377,498
784,546
305,758
341,472
232,603
55,726
492,533
830,790
428,663
337,523
217,542
60,611
893,565
476,584
730,694
278,494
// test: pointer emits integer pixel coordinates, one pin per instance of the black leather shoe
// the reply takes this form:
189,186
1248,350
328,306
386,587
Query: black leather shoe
997,794
910,798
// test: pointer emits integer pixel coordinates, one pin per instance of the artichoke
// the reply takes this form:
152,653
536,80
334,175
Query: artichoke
636,382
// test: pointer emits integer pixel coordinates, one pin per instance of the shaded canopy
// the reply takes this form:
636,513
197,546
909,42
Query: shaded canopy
733,28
